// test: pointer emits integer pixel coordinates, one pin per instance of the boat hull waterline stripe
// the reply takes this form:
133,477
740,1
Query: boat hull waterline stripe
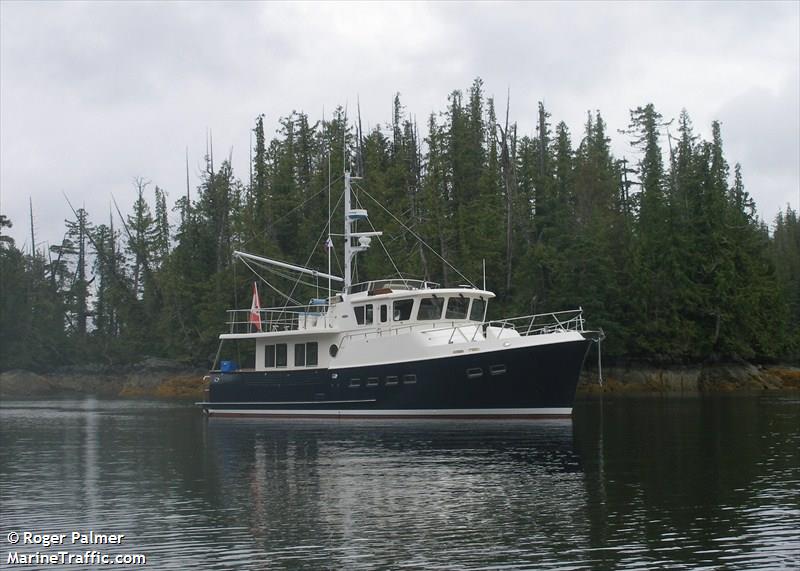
399,413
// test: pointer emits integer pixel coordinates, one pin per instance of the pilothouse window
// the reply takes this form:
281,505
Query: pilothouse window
478,309
457,308
402,309
430,308
363,314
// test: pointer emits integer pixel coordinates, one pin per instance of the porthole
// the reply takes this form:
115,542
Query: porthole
333,350
409,379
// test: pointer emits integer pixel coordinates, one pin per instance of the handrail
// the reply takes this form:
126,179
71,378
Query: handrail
555,323
315,317
277,319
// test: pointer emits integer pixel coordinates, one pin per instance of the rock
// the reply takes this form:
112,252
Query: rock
21,383
711,378
158,363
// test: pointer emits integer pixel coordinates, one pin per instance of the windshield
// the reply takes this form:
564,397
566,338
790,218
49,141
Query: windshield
478,310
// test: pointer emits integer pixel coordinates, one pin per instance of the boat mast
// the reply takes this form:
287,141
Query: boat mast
351,215
348,246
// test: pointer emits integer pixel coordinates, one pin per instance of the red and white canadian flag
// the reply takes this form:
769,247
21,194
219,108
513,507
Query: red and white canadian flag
255,309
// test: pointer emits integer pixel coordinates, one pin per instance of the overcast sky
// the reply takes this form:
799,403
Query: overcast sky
95,94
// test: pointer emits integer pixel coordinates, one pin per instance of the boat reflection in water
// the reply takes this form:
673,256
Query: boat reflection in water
399,492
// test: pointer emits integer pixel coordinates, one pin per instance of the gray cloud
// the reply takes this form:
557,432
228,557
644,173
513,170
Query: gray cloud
93,94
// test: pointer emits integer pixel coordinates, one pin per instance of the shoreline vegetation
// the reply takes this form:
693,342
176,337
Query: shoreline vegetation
665,252
162,378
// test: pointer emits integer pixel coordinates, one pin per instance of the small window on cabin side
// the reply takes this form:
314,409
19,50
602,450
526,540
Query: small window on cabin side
311,354
368,315
300,355
280,355
401,310
384,313
269,355
478,309
430,308
457,308
359,312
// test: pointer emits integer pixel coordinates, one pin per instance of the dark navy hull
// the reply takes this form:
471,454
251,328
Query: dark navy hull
528,382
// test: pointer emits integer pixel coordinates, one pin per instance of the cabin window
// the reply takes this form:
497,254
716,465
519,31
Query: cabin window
269,355
430,308
311,354
402,309
478,309
363,314
305,354
300,355
457,308
384,313
280,355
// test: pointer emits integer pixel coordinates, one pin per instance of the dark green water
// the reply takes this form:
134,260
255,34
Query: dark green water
673,484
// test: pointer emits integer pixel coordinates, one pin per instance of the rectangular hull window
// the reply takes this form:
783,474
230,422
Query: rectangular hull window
475,373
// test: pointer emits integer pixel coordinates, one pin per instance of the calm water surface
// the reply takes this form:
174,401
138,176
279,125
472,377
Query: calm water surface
673,484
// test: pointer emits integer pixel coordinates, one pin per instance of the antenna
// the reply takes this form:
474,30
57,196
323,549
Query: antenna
484,274
251,161
329,243
33,240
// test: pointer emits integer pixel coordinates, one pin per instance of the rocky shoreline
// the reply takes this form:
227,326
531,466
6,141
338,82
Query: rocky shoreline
161,378
155,378
716,378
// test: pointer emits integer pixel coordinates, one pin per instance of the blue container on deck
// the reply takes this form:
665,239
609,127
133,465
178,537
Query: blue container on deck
228,366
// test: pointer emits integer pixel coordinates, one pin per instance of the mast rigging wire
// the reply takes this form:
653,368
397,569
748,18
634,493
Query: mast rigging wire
451,266
279,292
402,278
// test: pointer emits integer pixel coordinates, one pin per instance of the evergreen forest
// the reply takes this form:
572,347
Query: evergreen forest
664,250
